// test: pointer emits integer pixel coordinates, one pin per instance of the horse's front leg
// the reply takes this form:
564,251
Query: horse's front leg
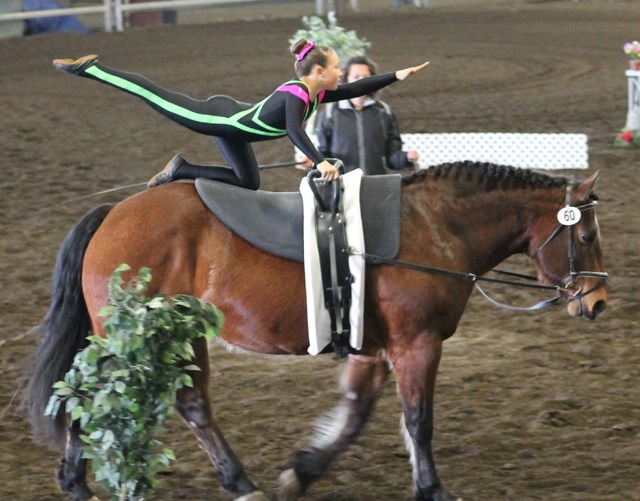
361,384
71,475
194,406
416,366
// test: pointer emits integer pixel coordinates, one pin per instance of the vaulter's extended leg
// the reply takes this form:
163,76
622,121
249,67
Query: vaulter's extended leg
216,116
194,406
362,383
205,116
416,367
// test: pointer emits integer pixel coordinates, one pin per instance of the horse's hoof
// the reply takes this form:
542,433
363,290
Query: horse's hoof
437,494
253,496
289,488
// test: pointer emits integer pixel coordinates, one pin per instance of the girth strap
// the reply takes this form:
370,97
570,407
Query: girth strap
333,250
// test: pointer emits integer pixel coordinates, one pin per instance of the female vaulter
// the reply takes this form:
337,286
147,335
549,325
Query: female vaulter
235,125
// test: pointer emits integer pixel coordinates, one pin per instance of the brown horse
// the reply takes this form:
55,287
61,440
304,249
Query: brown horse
464,217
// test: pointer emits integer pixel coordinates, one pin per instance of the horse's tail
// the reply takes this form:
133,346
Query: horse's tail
65,326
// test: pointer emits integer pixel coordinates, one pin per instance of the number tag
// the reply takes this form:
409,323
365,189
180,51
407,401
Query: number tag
568,216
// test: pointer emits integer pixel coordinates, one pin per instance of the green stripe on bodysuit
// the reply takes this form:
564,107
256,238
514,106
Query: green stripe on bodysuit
232,121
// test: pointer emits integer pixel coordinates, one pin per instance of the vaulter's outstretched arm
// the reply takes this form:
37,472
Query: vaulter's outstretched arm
369,85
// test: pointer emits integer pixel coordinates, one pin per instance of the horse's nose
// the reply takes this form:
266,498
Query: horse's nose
598,308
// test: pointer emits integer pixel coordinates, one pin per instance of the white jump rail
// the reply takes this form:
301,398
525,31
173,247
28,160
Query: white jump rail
122,7
106,9
524,150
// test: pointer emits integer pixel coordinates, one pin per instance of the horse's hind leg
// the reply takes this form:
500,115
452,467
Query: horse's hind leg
362,382
194,406
71,475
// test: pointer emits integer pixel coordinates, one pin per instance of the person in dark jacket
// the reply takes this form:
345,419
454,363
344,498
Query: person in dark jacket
363,131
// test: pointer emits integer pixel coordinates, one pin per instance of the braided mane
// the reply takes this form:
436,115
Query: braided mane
499,176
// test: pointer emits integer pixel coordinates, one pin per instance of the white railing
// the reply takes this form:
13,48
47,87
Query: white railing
114,10
121,7
106,9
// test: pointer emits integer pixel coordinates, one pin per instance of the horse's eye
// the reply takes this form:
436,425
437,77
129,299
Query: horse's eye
588,236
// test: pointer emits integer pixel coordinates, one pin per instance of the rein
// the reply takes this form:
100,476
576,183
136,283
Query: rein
571,219
472,277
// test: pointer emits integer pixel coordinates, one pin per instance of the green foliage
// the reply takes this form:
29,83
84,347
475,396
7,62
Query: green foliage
345,43
122,387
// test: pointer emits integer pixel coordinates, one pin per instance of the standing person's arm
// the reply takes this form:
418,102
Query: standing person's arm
324,128
396,158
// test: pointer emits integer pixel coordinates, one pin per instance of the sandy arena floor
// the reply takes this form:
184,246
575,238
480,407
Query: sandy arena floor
530,406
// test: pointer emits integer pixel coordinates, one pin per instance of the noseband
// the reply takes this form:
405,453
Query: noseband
568,216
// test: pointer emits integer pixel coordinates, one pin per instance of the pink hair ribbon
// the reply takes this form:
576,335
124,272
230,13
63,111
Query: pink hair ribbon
301,55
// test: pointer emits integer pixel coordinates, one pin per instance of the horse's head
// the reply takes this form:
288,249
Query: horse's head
566,248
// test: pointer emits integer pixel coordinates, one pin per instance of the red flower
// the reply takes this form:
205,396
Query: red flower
627,136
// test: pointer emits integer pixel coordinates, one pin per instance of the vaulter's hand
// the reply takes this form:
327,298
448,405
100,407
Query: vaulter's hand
404,74
329,171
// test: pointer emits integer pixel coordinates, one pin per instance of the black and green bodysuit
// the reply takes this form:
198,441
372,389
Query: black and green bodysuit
235,125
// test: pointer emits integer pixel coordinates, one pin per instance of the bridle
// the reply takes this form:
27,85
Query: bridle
568,216
572,214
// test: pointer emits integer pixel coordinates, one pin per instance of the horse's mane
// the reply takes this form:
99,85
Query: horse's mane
499,176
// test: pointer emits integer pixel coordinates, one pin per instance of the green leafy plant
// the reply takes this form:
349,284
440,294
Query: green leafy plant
121,388
346,43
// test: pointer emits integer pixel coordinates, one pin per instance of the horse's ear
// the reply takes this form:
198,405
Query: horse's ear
586,187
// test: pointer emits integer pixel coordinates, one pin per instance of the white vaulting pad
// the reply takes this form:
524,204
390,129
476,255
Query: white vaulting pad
523,150
317,315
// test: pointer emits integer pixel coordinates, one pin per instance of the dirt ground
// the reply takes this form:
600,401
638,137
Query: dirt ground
530,406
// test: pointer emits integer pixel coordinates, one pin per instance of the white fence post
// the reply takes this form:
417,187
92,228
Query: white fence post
120,8
108,16
117,12
323,6
633,98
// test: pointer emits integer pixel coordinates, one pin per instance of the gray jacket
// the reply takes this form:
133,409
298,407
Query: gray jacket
368,139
